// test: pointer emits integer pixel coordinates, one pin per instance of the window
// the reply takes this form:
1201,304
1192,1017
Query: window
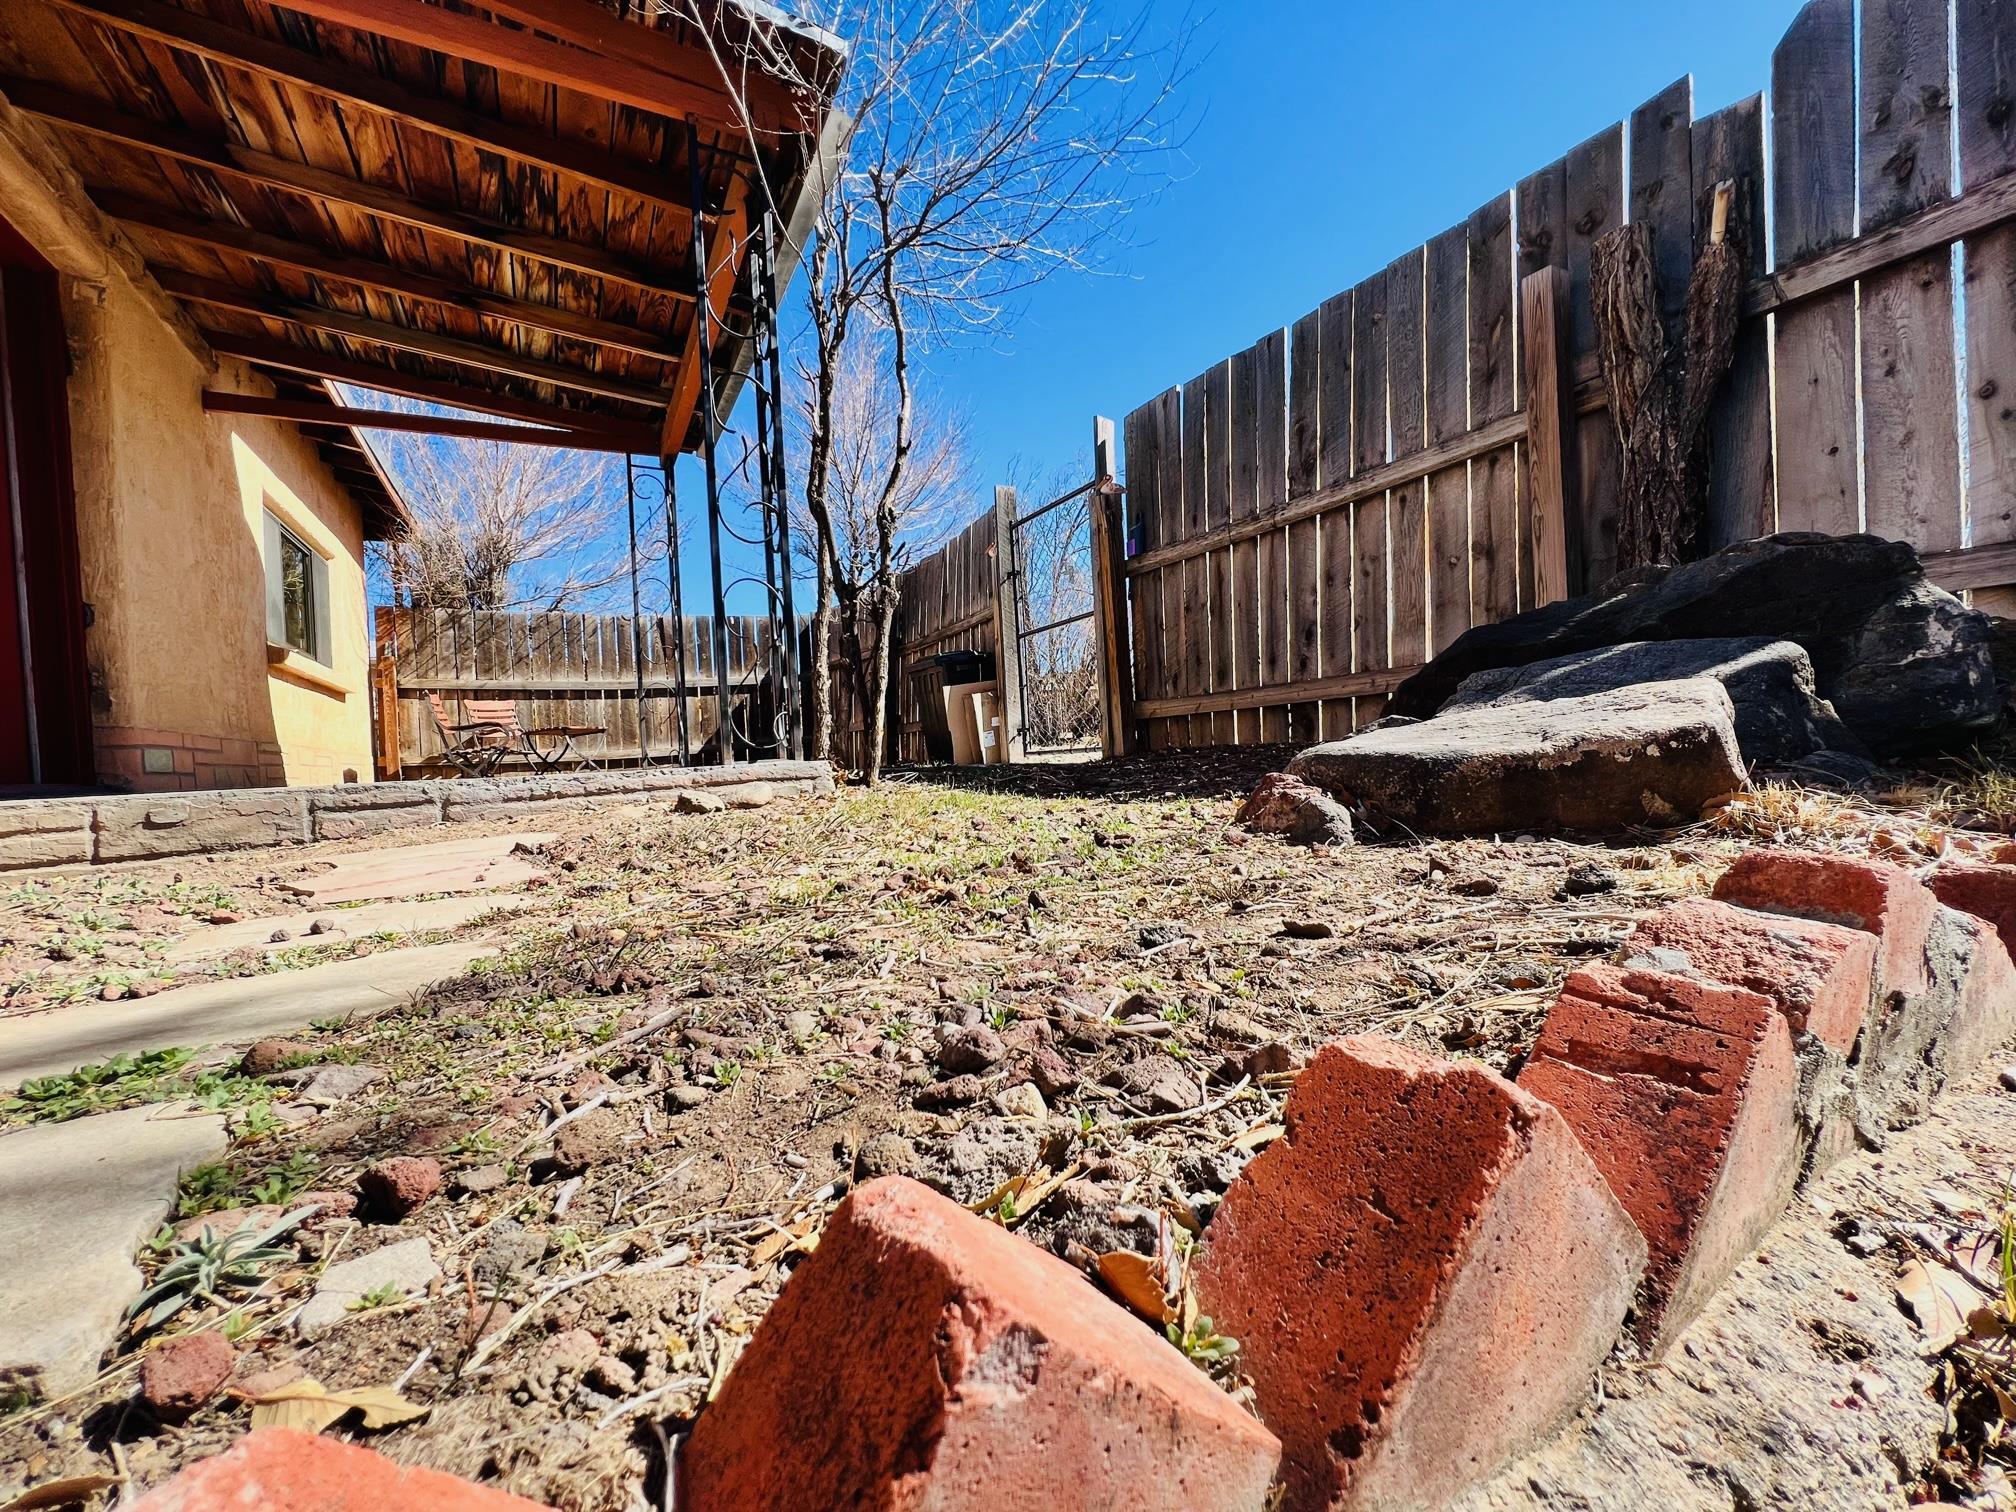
297,594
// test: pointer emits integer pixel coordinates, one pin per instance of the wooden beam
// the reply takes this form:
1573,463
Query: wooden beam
190,32
771,104
269,352
1371,482
1349,685
345,267
724,242
229,296
617,77
636,440
1550,435
1991,566
1977,210
95,118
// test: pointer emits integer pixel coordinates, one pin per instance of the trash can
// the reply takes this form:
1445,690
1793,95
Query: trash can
930,678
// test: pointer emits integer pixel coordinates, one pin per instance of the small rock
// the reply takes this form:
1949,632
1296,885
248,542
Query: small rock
265,1382
802,1027
2008,1078
226,916
682,1099
589,1141
613,1375
956,1092
483,1320
391,1189
336,1084
1270,1059
407,1267
1052,1073
329,1204
278,937
1307,929
586,1087
518,1104
221,1225
321,925
695,801
271,1055
111,992
433,1138
1158,1085
479,1179
887,1154
179,1375
749,795
1473,885
509,1250
1158,936
571,1352
1586,879
964,1048
1021,1101
1213,1170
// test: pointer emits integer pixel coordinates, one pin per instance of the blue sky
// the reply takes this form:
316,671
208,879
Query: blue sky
1326,139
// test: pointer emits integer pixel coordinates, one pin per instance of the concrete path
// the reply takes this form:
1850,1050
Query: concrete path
76,1200
402,917
232,1012
409,871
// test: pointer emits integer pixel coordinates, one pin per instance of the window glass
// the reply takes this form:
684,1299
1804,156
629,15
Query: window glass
297,587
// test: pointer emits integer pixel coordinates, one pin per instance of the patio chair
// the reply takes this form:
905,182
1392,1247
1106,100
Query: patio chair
492,735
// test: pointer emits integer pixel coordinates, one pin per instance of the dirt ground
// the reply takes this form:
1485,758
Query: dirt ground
1072,997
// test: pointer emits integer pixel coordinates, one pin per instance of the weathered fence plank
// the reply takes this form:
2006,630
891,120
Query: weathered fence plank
1985,45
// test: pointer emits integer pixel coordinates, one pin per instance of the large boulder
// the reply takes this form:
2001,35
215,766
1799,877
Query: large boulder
1904,664
1779,716
1655,753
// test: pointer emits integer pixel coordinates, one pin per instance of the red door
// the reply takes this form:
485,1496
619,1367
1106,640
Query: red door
45,717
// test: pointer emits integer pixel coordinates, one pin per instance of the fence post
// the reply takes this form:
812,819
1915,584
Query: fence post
1109,599
385,727
1550,431
1008,624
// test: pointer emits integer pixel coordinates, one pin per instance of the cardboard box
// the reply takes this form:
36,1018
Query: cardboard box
961,719
987,717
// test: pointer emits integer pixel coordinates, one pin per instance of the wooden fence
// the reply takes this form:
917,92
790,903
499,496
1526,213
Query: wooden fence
561,669
1313,517
946,602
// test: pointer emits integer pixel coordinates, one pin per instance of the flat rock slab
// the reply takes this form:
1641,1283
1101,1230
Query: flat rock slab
232,1012
416,916
1779,716
1657,753
410,871
406,1267
76,1200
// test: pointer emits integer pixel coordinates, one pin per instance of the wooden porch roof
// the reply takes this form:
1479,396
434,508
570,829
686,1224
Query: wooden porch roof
482,204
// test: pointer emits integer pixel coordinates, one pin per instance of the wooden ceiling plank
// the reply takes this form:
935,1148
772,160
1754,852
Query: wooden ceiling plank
228,296
281,251
634,439
97,119
211,39
269,352
615,76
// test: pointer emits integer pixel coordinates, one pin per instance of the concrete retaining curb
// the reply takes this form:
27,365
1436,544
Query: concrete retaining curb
152,826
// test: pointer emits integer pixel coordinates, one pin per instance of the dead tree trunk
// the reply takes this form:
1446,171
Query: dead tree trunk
1660,388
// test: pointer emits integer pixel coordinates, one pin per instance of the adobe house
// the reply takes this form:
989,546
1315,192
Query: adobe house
213,211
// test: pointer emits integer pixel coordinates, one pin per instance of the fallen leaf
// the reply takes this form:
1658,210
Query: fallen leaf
61,1493
1258,1135
309,1405
1941,1301
1136,1280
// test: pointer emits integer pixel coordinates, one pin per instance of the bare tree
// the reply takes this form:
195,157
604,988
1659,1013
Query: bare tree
497,526
994,144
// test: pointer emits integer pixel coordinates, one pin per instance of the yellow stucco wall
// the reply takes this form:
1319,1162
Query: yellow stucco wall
170,504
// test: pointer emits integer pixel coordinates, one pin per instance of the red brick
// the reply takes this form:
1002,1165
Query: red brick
1987,892
1820,976
1423,1275
1885,900
285,1470
1684,1092
926,1358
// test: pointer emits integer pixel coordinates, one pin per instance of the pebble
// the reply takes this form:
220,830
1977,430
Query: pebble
391,1189
2008,1078
177,1376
